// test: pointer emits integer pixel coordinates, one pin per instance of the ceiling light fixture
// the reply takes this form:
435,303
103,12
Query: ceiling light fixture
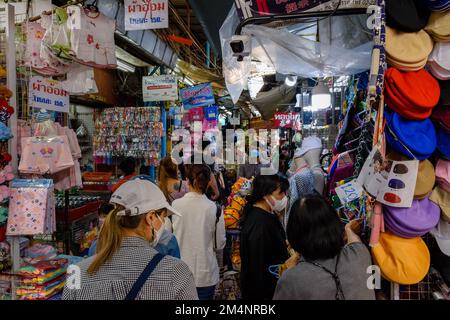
291,80
124,66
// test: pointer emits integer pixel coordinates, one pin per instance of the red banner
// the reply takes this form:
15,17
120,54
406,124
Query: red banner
287,120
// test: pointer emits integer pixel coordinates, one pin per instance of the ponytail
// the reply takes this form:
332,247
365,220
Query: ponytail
111,236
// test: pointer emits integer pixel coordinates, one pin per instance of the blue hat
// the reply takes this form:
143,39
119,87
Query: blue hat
443,143
5,132
438,5
416,139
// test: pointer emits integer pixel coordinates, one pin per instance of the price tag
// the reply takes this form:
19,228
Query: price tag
349,191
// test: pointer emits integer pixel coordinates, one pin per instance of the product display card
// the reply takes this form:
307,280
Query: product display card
399,189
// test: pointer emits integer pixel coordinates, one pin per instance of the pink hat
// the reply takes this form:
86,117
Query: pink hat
443,174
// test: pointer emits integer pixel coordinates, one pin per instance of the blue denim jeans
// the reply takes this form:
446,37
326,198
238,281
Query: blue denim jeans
206,293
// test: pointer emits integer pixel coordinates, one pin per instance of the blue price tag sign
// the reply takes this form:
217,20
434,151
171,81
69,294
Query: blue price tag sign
349,192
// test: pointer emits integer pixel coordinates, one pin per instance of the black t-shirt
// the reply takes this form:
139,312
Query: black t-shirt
263,244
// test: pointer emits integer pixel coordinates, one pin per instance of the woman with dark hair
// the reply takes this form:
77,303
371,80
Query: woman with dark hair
263,241
199,231
333,262
128,168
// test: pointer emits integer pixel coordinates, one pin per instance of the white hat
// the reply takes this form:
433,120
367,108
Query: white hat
309,143
442,234
140,196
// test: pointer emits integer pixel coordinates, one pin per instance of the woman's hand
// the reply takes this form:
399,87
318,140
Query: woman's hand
352,229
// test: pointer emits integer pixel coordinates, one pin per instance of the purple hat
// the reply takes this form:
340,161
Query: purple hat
412,222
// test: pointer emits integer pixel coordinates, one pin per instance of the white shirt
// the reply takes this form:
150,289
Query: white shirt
195,231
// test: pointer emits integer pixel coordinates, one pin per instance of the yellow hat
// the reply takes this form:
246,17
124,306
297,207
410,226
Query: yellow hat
408,48
406,67
426,177
404,261
439,25
442,199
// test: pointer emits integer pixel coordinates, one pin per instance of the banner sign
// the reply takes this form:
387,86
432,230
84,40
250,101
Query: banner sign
255,8
47,94
197,96
160,88
287,120
146,14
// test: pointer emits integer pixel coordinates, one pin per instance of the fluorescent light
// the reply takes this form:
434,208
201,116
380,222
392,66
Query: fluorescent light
188,81
291,81
321,96
222,107
122,65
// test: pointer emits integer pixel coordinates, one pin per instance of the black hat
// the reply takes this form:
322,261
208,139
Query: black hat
407,15
445,92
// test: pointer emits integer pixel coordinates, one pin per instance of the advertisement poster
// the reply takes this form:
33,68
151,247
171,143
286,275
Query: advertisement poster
254,8
390,182
197,96
159,88
287,120
47,94
146,14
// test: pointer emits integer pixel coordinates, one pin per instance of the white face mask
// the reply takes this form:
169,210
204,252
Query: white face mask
279,205
158,233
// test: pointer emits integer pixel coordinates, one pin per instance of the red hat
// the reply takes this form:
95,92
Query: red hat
411,94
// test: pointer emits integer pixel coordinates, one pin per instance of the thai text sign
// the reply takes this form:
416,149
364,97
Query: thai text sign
287,120
47,94
160,88
251,8
146,14
197,96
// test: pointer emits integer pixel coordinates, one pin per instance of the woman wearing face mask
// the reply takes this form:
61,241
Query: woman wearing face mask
199,231
126,265
263,240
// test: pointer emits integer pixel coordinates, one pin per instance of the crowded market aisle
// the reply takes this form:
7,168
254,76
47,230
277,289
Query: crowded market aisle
314,169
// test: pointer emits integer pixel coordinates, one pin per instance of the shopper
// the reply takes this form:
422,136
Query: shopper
328,269
200,231
263,241
124,251
169,182
128,168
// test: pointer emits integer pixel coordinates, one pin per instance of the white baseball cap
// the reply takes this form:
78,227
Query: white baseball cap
309,143
140,196
442,235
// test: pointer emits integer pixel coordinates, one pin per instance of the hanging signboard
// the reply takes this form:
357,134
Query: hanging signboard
160,88
146,14
287,120
47,94
255,8
197,96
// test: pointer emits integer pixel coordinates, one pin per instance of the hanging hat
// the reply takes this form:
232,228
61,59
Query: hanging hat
2,72
439,60
442,199
443,143
407,15
309,143
411,94
412,222
442,235
409,50
445,92
443,174
438,5
441,117
439,26
411,138
425,175
403,261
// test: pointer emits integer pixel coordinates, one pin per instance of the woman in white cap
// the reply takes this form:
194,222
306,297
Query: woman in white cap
126,266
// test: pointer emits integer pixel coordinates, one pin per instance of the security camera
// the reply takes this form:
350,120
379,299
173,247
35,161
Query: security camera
241,46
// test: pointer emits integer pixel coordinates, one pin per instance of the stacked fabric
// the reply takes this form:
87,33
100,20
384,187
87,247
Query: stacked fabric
42,280
417,123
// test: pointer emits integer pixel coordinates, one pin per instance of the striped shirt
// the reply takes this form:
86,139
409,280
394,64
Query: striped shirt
171,280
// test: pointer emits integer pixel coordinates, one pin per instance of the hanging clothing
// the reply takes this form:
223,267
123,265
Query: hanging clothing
263,244
92,38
